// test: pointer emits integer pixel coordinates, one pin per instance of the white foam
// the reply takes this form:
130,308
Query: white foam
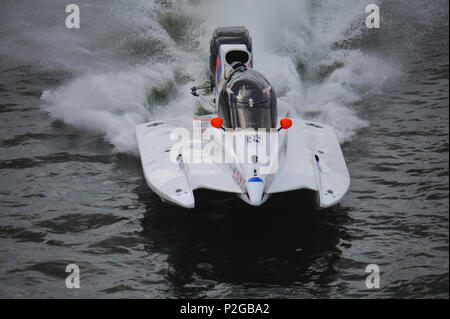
111,103
285,34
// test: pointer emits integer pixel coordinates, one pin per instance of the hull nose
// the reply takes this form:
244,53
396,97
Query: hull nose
255,190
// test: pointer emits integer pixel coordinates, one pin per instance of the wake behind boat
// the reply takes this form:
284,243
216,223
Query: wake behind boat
240,148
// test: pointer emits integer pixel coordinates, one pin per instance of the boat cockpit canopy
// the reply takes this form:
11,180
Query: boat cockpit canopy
247,101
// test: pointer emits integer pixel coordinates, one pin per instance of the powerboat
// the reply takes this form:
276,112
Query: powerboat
241,147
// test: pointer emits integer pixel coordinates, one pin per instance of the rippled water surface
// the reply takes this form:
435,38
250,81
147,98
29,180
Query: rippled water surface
72,189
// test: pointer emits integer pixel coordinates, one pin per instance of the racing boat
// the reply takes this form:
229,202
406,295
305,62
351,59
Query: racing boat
241,148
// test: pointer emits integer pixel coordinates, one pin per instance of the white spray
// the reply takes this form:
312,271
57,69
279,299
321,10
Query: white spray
295,47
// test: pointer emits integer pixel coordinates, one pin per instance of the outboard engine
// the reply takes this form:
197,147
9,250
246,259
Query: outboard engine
228,45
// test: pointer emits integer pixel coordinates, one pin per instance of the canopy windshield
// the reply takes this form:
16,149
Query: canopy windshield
248,101
255,117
